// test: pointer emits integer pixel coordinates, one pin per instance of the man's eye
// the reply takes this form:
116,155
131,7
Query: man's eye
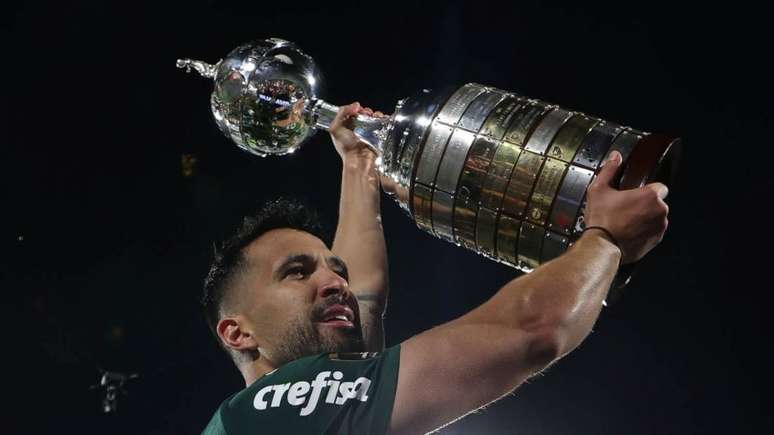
295,272
342,273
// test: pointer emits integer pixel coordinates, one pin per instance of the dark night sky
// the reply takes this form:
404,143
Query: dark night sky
106,243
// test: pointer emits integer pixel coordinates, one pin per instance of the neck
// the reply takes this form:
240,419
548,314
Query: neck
253,370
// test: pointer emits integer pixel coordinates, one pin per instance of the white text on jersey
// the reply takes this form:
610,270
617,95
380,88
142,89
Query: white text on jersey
338,392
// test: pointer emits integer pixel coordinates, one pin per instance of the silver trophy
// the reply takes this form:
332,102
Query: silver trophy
496,172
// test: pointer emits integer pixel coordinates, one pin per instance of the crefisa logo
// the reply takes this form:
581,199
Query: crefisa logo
308,394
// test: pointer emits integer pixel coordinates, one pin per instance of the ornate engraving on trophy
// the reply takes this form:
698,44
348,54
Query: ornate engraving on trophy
530,243
520,187
507,239
625,143
568,199
545,189
432,152
423,202
453,160
570,137
471,182
596,144
499,175
525,121
553,246
442,215
486,226
458,102
544,133
478,110
495,126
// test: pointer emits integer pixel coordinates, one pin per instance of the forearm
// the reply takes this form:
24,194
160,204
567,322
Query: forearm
359,236
561,300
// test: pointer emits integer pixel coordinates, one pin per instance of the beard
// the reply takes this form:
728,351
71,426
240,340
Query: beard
303,338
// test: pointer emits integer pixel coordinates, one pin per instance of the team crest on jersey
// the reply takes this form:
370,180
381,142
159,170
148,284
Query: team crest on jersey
352,356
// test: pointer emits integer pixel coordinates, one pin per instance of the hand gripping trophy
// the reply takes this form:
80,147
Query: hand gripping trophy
496,172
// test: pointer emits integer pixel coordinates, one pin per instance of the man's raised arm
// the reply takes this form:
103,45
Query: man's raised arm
458,367
359,237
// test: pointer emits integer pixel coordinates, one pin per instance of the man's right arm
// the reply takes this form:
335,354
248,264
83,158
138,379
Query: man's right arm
458,367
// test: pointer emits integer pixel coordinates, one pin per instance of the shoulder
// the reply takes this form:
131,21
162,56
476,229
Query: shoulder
215,425
352,356
358,387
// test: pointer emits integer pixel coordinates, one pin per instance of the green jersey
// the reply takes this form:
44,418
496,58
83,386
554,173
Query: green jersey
338,393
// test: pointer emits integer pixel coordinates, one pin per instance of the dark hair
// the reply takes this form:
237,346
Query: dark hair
229,260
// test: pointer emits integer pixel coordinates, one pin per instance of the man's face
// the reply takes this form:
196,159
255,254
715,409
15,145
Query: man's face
295,298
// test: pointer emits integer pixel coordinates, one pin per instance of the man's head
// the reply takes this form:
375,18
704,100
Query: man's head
276,291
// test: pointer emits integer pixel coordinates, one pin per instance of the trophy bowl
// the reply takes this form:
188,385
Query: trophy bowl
262,94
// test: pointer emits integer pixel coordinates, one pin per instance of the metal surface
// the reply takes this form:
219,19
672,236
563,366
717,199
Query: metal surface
544,134
470,185
427,167
486,231
442,215
458,102
522,180
507,239
530,243
423,204
596,144
262,96
501,117
569,138
553,246
568,200
625,143
453,160
497,173
479,109
545,189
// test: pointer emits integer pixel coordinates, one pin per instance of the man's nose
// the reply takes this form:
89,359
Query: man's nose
332,283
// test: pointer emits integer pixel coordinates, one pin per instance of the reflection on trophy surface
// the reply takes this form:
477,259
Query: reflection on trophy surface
496,172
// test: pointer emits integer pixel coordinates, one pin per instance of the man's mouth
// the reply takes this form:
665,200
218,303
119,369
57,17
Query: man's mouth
338,316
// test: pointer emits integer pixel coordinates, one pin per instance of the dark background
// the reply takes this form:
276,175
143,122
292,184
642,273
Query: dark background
107,242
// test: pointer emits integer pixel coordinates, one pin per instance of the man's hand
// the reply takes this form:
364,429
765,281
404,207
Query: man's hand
346,142
637,218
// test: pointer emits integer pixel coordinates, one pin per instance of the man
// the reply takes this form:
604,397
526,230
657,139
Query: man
291,312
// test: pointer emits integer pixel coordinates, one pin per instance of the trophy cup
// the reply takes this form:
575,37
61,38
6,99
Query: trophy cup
493,171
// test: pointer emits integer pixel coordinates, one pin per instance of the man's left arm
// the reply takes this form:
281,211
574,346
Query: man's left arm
359,237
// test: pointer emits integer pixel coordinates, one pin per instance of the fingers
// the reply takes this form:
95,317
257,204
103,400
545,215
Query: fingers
609,169
345,112
350,110
370,112
661,190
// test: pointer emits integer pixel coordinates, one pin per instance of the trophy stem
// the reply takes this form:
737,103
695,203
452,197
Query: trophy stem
323,114
371,130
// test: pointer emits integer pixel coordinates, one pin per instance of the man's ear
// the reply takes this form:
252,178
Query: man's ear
235,335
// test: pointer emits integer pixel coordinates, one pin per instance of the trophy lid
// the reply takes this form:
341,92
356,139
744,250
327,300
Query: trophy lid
262,92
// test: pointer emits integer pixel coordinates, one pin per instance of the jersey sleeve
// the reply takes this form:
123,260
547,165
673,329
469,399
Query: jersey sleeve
215,426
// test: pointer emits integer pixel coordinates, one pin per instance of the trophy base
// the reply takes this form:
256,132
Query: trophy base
654,161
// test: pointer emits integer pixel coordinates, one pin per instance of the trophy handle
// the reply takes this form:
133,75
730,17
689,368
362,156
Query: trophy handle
371,130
